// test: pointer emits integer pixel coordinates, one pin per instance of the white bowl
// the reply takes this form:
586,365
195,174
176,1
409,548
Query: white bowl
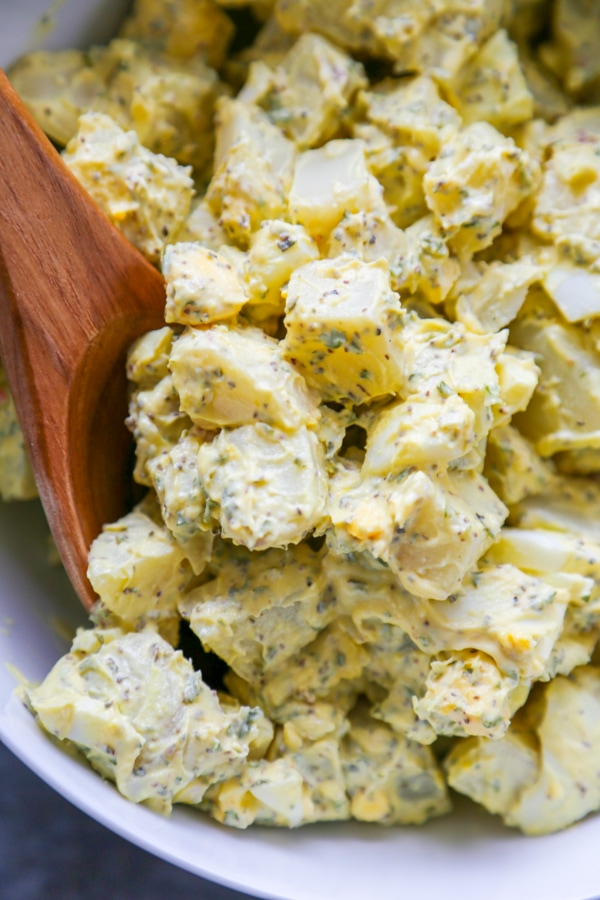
465,856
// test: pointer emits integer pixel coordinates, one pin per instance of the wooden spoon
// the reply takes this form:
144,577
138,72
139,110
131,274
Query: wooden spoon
74,294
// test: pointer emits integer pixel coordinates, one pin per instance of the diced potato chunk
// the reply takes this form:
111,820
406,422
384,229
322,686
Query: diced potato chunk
310,91
269,488
253,170
412,112
157,421
564,413
340,318
571,53
325,797
57,88
574,289
512,466
397,665
137,569
540,791
430,529
202,226
370,236
261,608
490,296
148,357
467,694
569,505
307,722
143,717
169,103
399,169
237,376
491,87
144,194
185,29
439,359
550,102
493,773
202,286
374,758
176,480
476,181
301,784
548,548
518,634
323,665
330,182
423,263
439,37
266,792
518,376
567,204
276,251
420,431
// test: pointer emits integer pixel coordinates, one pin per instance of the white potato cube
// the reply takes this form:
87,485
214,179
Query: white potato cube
237,376
57,88
430,529
564,412
330,182
157,421
390,779
183,503
566,206
340,318
191,28
494,773
143,717
168,102
476,181
512,466
491,87
267,792
412,112
514,618
137,569
490,297
202,226
547,776
420,431
148,358
334,658
309,92
423,262
467,694
261,608
276,251
253,170
269,488
144,194
202,286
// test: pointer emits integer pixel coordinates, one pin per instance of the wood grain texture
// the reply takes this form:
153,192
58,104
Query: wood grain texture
74,294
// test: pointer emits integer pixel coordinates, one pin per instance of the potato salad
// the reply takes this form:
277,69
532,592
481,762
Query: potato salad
369,430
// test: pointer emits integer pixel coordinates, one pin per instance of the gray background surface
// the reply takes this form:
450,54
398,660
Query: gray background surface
49,849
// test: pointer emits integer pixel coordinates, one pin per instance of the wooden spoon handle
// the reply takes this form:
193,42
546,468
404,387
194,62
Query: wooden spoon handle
74,293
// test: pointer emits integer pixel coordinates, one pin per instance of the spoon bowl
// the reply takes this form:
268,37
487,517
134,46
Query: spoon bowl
74,294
